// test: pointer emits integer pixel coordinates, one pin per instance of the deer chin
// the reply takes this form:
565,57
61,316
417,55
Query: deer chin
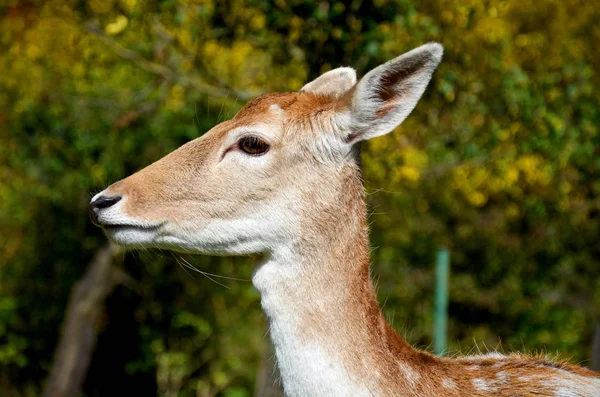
134,235
164,235
209,238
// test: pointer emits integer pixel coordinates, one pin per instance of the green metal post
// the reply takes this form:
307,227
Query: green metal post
442,272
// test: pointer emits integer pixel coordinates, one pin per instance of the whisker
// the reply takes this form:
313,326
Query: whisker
183,267
216,275
189,266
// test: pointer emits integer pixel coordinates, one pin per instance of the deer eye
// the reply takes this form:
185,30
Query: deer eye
253,145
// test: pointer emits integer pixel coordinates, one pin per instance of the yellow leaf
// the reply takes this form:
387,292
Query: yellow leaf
116,27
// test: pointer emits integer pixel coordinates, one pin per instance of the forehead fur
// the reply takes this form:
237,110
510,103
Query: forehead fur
296,104
308,119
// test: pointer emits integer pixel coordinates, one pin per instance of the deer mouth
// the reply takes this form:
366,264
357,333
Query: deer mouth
133,235
115,227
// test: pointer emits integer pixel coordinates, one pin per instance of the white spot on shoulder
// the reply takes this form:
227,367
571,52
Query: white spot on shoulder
530,378
474,368
573,385
448,383
494,355
565,392
502,377
480,384
409,373
486,356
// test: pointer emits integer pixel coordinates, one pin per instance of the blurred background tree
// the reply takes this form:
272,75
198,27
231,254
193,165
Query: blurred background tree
500,162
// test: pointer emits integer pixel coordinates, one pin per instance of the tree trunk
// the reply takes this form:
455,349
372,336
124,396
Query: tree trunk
80,328
268,382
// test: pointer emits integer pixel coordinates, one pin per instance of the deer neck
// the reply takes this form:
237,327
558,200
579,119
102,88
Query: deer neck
329,334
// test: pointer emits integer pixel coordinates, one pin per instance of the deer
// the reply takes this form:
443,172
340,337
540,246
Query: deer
282,178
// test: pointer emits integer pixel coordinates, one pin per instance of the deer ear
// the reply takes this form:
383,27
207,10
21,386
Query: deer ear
334,83
386,95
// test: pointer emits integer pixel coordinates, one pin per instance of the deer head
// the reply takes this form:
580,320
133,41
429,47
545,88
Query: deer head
277,169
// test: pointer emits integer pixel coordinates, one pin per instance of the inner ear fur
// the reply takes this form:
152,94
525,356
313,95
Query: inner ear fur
386,95
335,83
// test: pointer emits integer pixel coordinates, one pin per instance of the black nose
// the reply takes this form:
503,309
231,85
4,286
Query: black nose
99,204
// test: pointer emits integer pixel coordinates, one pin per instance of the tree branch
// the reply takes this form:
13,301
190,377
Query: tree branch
167,73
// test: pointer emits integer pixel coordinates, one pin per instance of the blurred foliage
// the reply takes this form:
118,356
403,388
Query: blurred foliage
500,162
